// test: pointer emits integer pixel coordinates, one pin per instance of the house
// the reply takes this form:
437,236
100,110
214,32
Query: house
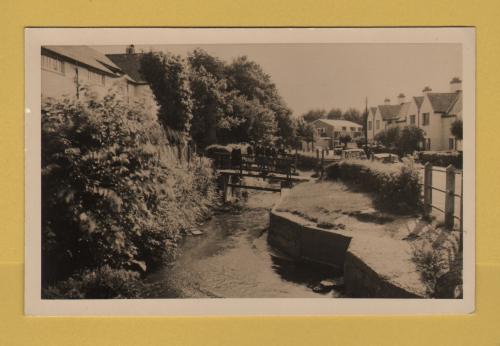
432,112
67,70
328,131
438,111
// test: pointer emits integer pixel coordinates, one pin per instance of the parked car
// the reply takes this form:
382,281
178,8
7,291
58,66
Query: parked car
354,154
386,158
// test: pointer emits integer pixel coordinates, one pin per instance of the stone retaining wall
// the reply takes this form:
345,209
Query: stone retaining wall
373,268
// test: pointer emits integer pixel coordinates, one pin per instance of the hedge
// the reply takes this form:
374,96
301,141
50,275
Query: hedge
395,186
441,158
113,191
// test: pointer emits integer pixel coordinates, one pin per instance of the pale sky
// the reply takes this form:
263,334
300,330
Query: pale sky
310,76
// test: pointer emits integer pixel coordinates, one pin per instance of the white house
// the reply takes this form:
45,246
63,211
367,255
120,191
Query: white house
328,131
432,112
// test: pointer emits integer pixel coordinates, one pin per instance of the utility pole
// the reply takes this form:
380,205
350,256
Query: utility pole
365,127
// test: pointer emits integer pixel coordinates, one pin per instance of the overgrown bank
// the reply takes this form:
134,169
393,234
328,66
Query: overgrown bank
115,197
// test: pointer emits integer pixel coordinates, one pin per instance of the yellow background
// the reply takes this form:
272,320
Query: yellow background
480,328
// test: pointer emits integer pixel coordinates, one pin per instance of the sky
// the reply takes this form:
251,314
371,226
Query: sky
324,76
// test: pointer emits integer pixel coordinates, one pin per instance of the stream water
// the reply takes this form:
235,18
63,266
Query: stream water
232,259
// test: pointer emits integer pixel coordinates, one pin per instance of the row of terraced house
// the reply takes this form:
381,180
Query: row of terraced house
433,112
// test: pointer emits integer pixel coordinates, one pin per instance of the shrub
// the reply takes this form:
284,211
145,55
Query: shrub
113,192
396,187
442,158
101,283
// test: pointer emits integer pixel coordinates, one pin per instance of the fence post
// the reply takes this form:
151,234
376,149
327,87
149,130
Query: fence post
449,203
189,153
322,161
427,189
462,210
317,161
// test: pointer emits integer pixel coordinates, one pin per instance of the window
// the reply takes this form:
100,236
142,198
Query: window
343,128
451,143
52,64
377,124
426,119
321,130
353,129
412,119
369,125
95,78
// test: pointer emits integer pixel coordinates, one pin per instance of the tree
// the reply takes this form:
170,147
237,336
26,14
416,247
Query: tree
344,139
313,115
352,114
388,137
409,140
334,113
168,79
456,129
305,131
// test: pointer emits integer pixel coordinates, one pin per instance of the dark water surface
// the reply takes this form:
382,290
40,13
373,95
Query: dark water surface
232,259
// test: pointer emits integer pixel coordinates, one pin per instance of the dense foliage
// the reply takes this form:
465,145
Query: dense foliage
351,114
395,187
404,141
113,191
441,158
218,102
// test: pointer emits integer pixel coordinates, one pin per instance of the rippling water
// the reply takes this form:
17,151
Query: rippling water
233,259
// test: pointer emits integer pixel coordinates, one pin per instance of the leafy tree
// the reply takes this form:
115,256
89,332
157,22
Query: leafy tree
456,129
409,140
352,114
388,137
168,78
313,115
305,131
344,139
334,113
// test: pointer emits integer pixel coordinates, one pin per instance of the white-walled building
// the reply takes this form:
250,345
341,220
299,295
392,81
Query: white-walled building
67,70
328,131
433,112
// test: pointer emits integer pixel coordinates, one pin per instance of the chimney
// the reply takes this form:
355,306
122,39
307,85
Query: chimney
130,49
401,98
387,101
455,85
426,90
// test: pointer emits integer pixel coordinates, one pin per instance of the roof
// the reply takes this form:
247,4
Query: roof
389,111
456,106
129,64
418,100
337,123
87,56
441,102
403,110
373,110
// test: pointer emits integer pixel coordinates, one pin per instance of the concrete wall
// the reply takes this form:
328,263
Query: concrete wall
373,267
301,241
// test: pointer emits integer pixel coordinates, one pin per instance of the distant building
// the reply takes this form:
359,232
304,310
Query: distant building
328,131
433,112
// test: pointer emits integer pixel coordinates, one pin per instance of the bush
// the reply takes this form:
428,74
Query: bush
442,158
101,283
396,187
113,191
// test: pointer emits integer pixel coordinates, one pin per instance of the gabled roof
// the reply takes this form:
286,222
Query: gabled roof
373,110
389,112
86,56
441,102
337,123
456,106
418,100
129,64
403,110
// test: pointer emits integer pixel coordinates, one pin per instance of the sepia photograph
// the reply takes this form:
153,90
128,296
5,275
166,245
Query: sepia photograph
317,167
